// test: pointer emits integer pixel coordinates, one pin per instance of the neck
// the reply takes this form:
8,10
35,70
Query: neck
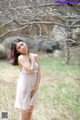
26,54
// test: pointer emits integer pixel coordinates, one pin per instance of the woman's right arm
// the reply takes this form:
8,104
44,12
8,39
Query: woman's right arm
23,62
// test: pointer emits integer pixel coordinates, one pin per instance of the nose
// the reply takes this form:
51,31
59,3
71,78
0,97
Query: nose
23,47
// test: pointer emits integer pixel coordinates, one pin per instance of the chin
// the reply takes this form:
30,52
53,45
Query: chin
24,52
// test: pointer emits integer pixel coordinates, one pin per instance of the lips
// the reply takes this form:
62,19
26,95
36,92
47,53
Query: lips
24,49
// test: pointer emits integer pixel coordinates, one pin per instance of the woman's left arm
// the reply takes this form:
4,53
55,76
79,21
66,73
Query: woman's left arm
38,77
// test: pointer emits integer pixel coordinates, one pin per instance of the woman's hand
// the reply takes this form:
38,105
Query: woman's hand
25,63
34,90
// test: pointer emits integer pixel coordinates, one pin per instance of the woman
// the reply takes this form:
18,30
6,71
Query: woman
29,78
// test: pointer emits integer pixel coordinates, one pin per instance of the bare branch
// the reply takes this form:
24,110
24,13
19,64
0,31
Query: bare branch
6,23
44,22
71,54
13,30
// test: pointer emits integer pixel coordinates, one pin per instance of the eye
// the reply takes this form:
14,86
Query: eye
19,45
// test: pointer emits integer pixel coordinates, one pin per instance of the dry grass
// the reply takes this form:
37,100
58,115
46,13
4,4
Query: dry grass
58,96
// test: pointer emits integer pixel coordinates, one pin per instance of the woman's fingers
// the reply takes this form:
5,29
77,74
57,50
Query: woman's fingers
33,91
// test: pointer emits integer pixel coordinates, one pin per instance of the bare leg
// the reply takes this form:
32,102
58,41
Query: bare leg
30,113
24,115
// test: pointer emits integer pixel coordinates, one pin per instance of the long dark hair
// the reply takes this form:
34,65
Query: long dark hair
13,52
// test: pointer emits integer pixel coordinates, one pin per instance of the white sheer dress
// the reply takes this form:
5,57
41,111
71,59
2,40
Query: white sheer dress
25,84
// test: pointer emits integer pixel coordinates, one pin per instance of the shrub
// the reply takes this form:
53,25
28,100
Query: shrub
3,53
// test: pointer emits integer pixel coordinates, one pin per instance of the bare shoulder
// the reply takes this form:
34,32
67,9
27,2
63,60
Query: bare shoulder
20,58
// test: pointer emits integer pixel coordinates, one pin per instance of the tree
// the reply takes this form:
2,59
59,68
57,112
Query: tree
26,17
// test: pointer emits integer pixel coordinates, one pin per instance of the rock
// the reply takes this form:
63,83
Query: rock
58,53
45,45
75,33
59,33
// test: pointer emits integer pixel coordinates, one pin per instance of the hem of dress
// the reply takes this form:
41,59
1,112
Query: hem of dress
20,108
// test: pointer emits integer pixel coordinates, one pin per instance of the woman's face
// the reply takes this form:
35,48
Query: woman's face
22,47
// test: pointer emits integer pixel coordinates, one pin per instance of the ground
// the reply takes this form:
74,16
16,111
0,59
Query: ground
58,95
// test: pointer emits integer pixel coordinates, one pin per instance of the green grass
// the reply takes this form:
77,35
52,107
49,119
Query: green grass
59,66
66,93
58,95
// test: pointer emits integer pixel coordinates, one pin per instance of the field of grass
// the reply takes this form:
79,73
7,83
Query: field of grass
58,95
